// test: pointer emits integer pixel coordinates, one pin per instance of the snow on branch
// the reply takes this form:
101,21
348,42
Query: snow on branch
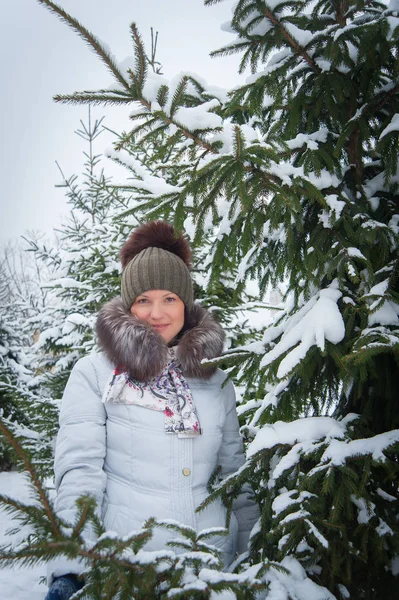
301,431
319,320
339,451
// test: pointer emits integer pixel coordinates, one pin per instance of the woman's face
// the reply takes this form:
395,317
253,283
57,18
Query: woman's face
161,309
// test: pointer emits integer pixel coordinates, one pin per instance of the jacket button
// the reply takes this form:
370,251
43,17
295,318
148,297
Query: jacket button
186,472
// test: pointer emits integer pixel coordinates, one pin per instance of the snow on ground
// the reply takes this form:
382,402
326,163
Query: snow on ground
18,583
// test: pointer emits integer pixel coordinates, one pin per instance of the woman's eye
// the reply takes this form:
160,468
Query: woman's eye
170,299
142,301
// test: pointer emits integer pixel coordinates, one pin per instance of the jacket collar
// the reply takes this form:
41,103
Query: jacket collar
132,345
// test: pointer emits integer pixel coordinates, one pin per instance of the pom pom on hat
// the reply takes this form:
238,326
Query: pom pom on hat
154,258
156,234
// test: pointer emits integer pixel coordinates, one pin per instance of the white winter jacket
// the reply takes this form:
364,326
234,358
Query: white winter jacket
121,455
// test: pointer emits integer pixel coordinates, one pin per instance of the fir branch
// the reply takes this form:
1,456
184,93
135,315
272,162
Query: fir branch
17,509
87,506
102,96
12,440
267,12
141,59
181,88
373,108
89,39
198,141
93,98
229,50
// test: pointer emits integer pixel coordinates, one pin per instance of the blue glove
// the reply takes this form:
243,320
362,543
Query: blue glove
63,587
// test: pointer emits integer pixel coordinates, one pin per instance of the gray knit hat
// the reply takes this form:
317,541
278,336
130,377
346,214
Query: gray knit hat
153,258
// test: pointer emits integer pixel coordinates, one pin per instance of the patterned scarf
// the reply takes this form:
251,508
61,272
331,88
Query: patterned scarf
169,392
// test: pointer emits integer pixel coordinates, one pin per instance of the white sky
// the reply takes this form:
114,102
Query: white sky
41,56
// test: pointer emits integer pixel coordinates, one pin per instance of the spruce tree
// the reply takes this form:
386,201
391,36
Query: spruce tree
83,264
190,567
11,386
294,177
82,272
20,298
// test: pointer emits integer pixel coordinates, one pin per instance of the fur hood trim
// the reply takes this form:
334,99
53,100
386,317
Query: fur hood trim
132,345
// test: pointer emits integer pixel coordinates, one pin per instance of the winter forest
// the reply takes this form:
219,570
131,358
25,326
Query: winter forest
288,189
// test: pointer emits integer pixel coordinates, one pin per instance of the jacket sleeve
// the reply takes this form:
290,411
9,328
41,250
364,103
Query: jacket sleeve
231,458
80,450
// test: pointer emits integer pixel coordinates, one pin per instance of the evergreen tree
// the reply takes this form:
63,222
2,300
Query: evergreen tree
294,177
82,268
83,265
121,567
13,372
20,298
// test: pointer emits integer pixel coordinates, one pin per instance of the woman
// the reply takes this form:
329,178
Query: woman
143,424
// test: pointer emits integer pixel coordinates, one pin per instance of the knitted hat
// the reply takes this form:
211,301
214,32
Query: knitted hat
153,258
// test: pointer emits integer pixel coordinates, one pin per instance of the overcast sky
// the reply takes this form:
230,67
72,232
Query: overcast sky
41,56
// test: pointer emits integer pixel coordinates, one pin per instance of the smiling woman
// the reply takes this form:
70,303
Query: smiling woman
144,424
161,309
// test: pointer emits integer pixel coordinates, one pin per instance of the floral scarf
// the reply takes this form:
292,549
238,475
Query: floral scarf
169,392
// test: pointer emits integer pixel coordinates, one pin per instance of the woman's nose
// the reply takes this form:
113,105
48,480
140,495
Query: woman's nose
157,311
